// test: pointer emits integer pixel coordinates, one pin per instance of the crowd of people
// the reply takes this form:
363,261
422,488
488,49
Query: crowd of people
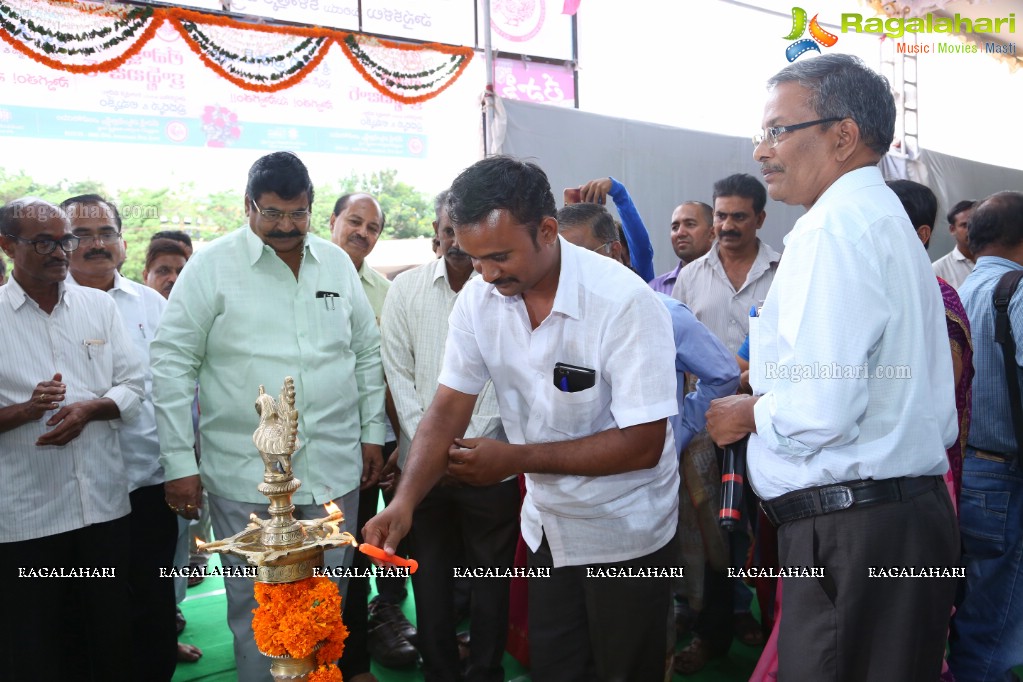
539,409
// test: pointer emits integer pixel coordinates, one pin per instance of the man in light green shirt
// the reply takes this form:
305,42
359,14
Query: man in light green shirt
265,302
355,226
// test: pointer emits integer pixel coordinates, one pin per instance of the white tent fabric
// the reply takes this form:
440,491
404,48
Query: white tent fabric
663,166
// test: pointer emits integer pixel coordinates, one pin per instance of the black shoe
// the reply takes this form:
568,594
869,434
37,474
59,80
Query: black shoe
388,648
390,614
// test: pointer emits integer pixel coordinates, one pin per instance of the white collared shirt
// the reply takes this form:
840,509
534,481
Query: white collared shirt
606,319
140,308
853,297
704,286
953,267
45,490
413,329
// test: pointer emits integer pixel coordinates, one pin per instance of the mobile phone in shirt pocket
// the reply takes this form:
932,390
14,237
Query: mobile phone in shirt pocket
574,413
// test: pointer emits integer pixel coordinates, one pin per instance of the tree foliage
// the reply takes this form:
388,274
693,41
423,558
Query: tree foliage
205,215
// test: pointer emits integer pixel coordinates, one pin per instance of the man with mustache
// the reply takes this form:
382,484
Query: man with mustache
154,527
453,521
849,459
556,328
69,380
165,259
264,302
720,288
355,225
692,234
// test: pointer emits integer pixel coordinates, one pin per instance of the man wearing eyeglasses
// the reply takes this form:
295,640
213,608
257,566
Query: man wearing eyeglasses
847,454
101,249
69,379
268,301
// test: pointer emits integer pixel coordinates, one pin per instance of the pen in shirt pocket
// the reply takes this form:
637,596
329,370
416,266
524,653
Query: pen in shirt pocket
90,343
142,330
753,312
328,298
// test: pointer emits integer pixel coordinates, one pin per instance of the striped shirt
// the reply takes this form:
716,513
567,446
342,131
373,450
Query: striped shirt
413,330
45,490
704,286
140,308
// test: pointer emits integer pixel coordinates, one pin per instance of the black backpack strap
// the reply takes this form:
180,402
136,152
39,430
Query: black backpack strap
1003,336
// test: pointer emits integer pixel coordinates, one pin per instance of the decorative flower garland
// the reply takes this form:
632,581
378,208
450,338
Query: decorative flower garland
37,41
432,67
293,618
394,83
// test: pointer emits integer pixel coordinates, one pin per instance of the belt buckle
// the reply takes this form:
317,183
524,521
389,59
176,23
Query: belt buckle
835,498
769,513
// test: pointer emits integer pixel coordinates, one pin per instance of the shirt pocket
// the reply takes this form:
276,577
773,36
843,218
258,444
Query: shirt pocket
577,414
98,365
333,328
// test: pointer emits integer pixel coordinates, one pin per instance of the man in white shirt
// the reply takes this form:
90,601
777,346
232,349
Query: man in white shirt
154,526
559,331
68,377
853,401
955,266
479,523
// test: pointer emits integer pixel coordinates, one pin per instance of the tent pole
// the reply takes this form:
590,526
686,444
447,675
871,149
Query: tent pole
488,93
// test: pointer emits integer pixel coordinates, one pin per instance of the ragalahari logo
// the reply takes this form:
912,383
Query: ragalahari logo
817,35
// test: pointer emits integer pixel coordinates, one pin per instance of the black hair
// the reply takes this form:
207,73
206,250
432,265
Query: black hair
89,200
964,205
919,201
175,235
502,182
742,185
163,247
282,173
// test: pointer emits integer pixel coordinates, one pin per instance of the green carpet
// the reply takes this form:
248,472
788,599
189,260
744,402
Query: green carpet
205,609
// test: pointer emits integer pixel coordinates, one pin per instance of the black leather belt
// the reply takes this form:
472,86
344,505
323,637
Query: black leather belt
826,499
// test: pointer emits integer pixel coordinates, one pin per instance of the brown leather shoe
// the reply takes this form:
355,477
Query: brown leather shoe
694,657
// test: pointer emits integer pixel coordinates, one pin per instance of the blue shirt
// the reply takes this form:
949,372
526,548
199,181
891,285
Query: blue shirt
641,251
991,419
700,353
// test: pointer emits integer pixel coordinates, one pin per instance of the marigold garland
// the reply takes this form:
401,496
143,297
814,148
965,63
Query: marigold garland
292,618
363,62
112,64
302,58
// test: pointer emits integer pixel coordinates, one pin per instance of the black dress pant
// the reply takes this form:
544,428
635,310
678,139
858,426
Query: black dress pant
154,535
848,626
356,659
481,524
58,629
587,629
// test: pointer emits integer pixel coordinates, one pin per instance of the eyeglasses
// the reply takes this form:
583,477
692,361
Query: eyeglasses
273,216
46,246
773,132
103,238
602,247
